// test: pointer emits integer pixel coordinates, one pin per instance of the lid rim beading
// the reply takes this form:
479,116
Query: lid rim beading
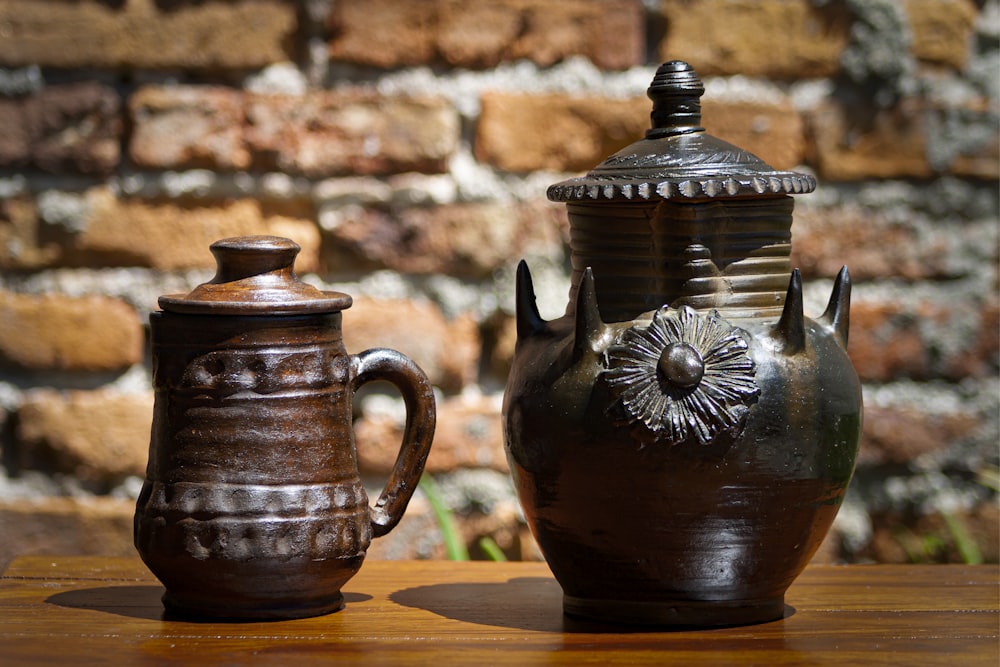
684,186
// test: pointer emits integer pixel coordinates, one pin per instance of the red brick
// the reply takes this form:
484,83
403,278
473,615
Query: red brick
62,128
164,235
351,132
981,356
210,35
467,239
785,39
86,526
574,133
941,30
867,242
852,144
900,434
15,136
23,243
401,35
185,127
774,132
983,163
394,33
322,133
946,336
54,332
559,132
885,342
446,350
886,144
151,233
99,436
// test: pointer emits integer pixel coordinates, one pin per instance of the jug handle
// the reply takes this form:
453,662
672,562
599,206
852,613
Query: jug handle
415,388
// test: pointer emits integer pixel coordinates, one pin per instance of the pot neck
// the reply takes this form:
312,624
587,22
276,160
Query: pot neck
710,255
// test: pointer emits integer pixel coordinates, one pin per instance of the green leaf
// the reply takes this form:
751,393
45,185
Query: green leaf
453,543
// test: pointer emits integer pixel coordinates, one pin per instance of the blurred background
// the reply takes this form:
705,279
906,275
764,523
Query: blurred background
406,146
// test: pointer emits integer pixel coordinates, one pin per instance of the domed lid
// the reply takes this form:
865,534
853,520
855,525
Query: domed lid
677,159
255,276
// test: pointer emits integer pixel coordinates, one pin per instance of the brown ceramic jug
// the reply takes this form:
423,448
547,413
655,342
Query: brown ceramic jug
682,438
252,505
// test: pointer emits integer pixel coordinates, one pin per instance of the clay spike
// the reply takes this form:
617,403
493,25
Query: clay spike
588,317
838,313
529,321
791,328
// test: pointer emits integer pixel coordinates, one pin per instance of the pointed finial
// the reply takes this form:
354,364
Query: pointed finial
529,321
838,312
676,92
791,328
588,317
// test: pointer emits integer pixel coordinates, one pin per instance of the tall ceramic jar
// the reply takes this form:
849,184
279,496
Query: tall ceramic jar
682,438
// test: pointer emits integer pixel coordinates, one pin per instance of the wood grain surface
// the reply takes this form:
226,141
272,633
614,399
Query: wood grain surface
101,611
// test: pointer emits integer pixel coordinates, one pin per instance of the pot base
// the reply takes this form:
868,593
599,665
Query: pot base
677,613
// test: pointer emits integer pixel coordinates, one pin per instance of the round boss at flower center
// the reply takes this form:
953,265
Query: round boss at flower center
681,365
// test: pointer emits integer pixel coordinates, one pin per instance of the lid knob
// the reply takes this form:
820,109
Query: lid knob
676,92
246,256
255,275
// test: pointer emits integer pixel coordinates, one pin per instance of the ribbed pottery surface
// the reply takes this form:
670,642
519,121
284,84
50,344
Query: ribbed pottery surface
707,255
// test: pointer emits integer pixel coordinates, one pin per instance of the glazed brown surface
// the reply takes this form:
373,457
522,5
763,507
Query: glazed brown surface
253,506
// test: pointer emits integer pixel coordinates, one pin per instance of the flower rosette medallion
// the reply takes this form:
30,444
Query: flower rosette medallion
684,376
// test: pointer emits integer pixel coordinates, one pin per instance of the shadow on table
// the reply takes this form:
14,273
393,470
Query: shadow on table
523,603
134,601
139,601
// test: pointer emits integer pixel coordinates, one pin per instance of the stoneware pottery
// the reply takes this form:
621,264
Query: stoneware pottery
252,505
683,436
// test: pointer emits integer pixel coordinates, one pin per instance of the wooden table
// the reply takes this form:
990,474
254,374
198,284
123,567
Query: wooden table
89,611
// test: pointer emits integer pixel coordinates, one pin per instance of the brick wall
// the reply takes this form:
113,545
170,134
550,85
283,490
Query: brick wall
406,145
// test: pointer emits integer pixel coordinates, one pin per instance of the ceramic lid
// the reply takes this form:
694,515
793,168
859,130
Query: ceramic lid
255,276
677,159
